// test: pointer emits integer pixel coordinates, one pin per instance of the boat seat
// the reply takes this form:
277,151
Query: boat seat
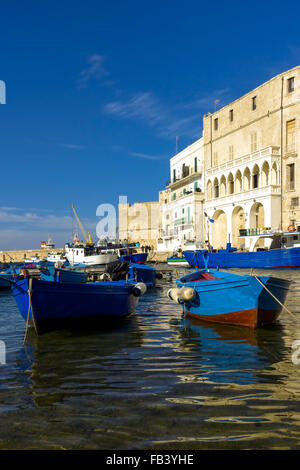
206,277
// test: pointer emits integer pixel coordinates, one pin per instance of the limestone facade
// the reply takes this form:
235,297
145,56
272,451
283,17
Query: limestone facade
139,222
252,167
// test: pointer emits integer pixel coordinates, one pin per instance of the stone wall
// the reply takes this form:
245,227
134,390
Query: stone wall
20,255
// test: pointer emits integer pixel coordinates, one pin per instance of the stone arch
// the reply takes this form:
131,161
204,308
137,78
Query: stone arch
209,190
238,182
216,188
257,216
265,171
238,222
219,230
247,179
255,177
274,174
230,184
222,186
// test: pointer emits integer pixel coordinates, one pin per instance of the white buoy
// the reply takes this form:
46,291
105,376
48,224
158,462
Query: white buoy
182,294
139,289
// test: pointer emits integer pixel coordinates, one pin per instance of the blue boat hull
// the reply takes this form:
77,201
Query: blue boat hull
141,273
137,258
278,258
58,305
63,275
5,280
234,299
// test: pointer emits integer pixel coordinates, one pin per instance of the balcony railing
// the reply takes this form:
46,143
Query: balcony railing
185,176
270,190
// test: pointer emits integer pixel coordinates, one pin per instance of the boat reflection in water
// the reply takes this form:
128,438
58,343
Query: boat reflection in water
232,354
72,364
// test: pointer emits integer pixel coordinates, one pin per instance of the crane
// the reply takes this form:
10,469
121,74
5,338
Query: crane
88,238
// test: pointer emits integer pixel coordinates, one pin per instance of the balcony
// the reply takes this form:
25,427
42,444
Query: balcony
236,198
270,154
188,176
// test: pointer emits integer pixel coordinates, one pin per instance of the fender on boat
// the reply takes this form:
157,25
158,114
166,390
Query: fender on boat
139,289
182,294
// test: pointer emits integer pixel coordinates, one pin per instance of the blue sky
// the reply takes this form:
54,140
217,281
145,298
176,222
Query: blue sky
96,93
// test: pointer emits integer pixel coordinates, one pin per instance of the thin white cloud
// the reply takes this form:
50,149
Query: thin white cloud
95,69
74,146
168,121
141,106
145,156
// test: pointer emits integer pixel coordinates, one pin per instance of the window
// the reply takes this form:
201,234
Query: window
255,180
174,175
253,103
174,196
230,152
290,173
231,115
291,136
291,84
195,164
216,123
295,202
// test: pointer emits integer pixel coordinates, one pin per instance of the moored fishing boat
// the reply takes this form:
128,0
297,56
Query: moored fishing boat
117,270
233,299
280,250
177,261
52,273
49,305
6,277
89,255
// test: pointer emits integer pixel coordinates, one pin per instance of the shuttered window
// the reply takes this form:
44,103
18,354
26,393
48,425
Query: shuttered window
290,135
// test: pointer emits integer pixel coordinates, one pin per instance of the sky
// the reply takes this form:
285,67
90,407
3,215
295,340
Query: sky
96,93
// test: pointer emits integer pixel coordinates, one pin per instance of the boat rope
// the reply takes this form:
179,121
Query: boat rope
29,309
274,297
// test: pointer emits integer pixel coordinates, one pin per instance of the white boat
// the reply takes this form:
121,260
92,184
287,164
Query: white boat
53,257
88,255
33,259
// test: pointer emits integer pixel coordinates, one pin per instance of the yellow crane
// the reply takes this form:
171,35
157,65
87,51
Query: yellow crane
88,238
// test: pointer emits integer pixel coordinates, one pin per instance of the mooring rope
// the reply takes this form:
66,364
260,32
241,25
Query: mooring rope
274,297
29,308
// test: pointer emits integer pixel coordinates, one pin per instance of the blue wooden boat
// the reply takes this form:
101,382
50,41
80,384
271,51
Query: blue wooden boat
233,299
52,305
283,251
6,276
177,261
143,273
136,258
120,270
51,273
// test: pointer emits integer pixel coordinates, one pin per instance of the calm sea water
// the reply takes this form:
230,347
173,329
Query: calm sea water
156,381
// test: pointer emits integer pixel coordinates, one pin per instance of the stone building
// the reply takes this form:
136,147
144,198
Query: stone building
181,204
139,223
252,168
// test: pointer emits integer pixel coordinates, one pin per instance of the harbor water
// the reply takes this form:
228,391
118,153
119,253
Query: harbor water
155,381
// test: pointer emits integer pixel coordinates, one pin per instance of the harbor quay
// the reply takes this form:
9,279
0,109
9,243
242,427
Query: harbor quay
18,256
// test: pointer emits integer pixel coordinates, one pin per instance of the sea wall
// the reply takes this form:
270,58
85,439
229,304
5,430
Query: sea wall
20,255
